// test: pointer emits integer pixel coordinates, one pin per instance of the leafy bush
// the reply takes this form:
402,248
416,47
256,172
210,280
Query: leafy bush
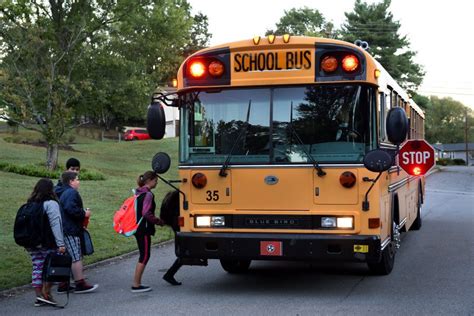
451,162
442,161
42,172
459,162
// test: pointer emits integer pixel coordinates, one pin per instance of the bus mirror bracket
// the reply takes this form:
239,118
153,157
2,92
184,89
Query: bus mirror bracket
160,164
377,160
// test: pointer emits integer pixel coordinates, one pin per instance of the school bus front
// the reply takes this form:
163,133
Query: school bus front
272,142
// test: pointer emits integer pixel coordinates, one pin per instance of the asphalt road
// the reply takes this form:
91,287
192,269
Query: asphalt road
433,275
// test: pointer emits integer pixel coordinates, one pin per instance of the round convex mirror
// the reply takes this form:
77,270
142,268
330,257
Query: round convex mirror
378,160
161,163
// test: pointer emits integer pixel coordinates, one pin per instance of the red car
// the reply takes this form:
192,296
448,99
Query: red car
136,134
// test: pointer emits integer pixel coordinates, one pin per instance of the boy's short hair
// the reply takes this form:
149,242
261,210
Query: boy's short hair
68,176
73,162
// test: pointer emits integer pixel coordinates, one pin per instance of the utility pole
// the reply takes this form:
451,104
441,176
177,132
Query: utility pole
465,138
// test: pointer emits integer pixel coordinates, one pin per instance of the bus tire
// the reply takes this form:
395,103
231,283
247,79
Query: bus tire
235,266
387,260
417,223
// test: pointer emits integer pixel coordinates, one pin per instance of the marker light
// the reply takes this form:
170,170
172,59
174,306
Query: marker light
199,180
175,83
416,171
377,73
197,69
329,64
347,179
344,222
271,39
374,222
216,68
256,40
350,63
286,38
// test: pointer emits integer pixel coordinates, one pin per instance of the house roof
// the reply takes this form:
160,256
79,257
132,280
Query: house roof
454,147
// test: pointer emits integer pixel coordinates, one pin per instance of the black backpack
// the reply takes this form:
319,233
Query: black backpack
169,211
32,227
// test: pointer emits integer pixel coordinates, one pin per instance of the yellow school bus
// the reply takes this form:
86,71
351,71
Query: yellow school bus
288,152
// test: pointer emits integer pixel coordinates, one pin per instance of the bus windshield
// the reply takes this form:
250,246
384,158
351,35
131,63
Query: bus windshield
279,125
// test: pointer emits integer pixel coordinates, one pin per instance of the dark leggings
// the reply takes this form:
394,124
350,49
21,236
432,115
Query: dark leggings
144,243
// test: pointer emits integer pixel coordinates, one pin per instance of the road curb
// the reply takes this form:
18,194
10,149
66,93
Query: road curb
27,287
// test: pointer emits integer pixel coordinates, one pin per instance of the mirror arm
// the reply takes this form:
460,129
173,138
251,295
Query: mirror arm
185,202
365,203
163,97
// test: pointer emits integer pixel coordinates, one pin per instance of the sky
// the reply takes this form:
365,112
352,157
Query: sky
439,31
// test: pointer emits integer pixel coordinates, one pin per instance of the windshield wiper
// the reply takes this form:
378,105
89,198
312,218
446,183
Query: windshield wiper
320,171
224,167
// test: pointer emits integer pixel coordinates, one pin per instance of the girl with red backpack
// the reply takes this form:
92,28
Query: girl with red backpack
146,208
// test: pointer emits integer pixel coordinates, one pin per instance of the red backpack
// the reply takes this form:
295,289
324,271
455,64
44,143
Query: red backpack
126,218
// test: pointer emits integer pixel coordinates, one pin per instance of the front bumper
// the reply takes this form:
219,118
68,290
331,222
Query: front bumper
251,246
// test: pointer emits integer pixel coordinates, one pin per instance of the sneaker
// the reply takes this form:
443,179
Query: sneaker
171,280
140,289
39,303
47,299
85,287
62,289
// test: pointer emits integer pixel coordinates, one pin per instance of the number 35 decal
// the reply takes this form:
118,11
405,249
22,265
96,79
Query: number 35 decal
212,195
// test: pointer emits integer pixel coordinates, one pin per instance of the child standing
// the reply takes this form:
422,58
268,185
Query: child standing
146,208
52,239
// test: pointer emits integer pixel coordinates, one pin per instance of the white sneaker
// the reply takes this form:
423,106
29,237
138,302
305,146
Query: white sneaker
140,289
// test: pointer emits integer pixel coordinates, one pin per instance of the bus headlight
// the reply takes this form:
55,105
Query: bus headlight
210,221
337,222
345,222
328,222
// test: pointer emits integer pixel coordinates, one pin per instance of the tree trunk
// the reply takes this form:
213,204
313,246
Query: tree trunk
52,153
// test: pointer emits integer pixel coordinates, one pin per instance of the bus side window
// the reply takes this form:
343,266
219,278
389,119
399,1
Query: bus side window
382,116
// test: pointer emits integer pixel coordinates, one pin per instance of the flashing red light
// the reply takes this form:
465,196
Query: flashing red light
416,171
329,64
197,69
216,68
350,63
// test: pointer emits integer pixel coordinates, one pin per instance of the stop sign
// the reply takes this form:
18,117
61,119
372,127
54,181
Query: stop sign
416,157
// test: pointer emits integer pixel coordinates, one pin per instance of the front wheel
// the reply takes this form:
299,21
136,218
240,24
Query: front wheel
417,223
235,266
386,263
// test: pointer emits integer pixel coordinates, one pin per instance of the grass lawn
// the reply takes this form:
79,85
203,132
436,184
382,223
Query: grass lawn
121,163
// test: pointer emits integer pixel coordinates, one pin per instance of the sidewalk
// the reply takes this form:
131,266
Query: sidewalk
114,277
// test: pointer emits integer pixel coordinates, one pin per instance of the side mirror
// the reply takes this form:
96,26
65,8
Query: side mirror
397,125
161,163
156,122
378,160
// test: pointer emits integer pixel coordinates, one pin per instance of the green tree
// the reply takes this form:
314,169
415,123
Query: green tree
41,44
303,21
199,35
445,121
140,51
64,62
423,102
374,23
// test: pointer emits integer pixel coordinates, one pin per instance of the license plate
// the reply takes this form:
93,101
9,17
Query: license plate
271,248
